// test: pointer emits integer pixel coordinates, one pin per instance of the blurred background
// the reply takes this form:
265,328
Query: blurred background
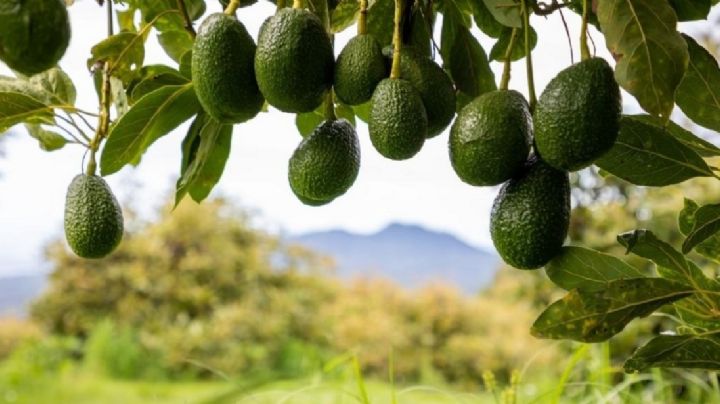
392,293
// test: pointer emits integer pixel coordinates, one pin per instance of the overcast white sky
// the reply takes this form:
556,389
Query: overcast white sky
423,190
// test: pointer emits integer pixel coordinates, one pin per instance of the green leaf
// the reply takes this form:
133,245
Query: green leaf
362,111
345,112
585,269
380,20
125,52
698,94
48,140
320,9
689,10
710,248
154,82
18,108
344,15
307,122
186,65
652,56
499,50
485,20
205,151
51,87
175,43
469,66
506,12
454,21
153,116
706,224
677,351
645,154
595,316
700,145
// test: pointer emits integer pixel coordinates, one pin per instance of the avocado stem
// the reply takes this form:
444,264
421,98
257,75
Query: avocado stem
362,19
232,6
508,61
528,57
330,106
297,4
397,40
584,50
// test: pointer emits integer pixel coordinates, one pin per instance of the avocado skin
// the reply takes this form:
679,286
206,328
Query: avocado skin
490,139
398,122
34,34
325,164
531,214
358,70
434,86
578,115
294,61
223,70
93,218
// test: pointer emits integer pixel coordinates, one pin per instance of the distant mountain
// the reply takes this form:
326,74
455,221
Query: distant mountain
407,254
16,292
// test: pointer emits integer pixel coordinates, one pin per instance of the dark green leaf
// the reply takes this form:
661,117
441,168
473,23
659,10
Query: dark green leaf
706,224
677,351
344,15
154,82
175,43
307,122
362,111
320,9
709,248
125,52
598,315
454,21
48,140
698,94
469,66
18,108
485,20
208,147
380,20
151,117
689,10
652,56
506,12
585,269
700,145
645,154
499,50
345,112
186,65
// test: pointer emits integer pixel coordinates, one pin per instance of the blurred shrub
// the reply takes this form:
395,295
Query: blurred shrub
36,359
14,332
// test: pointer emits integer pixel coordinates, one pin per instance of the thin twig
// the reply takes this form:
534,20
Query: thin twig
567,34
186,16
540,8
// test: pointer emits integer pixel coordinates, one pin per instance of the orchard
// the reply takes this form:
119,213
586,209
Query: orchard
413,71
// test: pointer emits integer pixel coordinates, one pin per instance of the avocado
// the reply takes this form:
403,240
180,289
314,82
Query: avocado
359,68
531,214
326,163
294,60
34,34
434,85
577,118
93,218
223,70
398,122
491,137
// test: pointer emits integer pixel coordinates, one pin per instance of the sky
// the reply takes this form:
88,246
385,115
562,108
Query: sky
423,190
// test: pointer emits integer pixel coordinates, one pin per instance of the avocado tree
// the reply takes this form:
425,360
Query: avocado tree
388,76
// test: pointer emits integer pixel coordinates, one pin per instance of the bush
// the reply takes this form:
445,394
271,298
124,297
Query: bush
14,332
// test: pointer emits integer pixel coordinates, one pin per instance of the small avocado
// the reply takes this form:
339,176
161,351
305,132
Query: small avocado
531,214
294,61
398,122
223,70
93,218
434,86
491,138
358,70
577,118
34,34
325,164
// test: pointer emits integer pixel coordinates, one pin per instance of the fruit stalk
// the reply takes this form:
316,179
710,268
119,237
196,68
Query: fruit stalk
508,61
528,57
362,20
330,106
397,40
232,6
584,50
297,3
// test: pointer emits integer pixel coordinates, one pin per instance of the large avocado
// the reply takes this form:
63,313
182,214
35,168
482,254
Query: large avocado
577,118
359,68
398,122
491,137
294,61
223,70
34,34
325,164
531,215
93,218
